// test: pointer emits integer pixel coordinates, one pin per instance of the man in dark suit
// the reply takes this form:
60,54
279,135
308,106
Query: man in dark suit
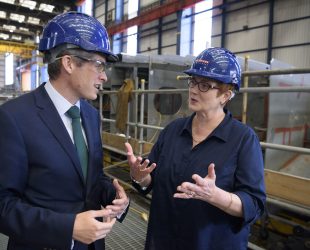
53,194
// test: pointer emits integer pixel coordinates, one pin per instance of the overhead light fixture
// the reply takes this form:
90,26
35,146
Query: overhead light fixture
29,41
17,17
8,1
4,36
18,38
28,4
33,20
23,29
2,14
46,7
11,28
66,9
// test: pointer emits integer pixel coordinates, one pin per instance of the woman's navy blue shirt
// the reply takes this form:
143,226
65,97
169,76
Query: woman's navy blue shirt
177,224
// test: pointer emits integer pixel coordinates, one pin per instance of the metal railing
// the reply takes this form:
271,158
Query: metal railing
140,125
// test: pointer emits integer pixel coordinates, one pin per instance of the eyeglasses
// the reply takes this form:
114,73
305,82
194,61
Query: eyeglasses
203,86
100,65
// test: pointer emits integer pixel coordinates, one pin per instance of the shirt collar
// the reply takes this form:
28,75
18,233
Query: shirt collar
62,104
222,131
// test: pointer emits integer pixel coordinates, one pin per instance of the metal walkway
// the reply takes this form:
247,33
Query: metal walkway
131,233
128,235
3,242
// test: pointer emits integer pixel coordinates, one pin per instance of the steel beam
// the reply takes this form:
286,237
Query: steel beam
151,15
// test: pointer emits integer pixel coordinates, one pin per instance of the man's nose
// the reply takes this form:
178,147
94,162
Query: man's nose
103,77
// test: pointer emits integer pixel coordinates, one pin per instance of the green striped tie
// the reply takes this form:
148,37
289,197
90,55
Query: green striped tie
74,113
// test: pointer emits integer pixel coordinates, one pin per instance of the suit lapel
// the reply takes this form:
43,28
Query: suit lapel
52,120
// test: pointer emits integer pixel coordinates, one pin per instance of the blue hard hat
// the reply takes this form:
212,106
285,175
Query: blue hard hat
218,64
77,29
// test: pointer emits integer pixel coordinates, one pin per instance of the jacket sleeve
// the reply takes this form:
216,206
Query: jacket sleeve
18,219
249,184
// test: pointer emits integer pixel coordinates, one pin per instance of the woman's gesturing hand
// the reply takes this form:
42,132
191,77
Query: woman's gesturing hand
139,168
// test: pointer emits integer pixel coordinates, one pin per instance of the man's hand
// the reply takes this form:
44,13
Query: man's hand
121,202
87,229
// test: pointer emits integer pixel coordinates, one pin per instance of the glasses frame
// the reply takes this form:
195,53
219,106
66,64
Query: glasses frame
100,65
192,82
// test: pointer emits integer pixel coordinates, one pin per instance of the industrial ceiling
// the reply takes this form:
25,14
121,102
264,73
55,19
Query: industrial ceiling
22,21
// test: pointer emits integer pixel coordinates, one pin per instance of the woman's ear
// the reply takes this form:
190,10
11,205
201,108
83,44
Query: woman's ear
228,95
232,95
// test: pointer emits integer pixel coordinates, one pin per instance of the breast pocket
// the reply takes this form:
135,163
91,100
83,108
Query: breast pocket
225,171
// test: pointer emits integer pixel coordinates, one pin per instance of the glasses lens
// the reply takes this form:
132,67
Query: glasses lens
202,86
190,83
100,66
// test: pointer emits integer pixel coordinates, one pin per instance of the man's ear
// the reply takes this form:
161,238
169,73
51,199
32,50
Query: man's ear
67,64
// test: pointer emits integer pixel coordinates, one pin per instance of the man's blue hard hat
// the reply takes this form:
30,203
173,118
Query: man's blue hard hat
218,64
77,29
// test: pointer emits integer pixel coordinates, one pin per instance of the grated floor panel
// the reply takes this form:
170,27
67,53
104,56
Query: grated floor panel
131,233
128,235
3,242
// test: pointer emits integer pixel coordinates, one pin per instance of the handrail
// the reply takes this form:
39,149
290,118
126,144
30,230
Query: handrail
242,90
276,72
263,144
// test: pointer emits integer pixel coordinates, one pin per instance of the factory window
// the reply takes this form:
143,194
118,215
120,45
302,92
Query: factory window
132,31
117,43
186,32
202,26
9,68
167,104
85,6
196,25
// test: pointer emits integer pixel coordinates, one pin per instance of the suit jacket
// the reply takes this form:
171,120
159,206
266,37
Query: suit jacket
41,182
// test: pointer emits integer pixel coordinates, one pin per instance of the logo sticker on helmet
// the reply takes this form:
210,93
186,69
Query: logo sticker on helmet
201,61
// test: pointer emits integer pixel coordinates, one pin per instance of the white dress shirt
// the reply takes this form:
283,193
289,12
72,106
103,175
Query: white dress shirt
63,105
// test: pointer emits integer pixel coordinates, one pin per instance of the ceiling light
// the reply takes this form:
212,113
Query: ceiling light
66,9
11,28
2,14
17,17
18,38
23,29
4,36
46,7
8,1
33,20
28,4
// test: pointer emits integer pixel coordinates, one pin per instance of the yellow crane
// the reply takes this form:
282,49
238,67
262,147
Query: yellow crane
20,49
